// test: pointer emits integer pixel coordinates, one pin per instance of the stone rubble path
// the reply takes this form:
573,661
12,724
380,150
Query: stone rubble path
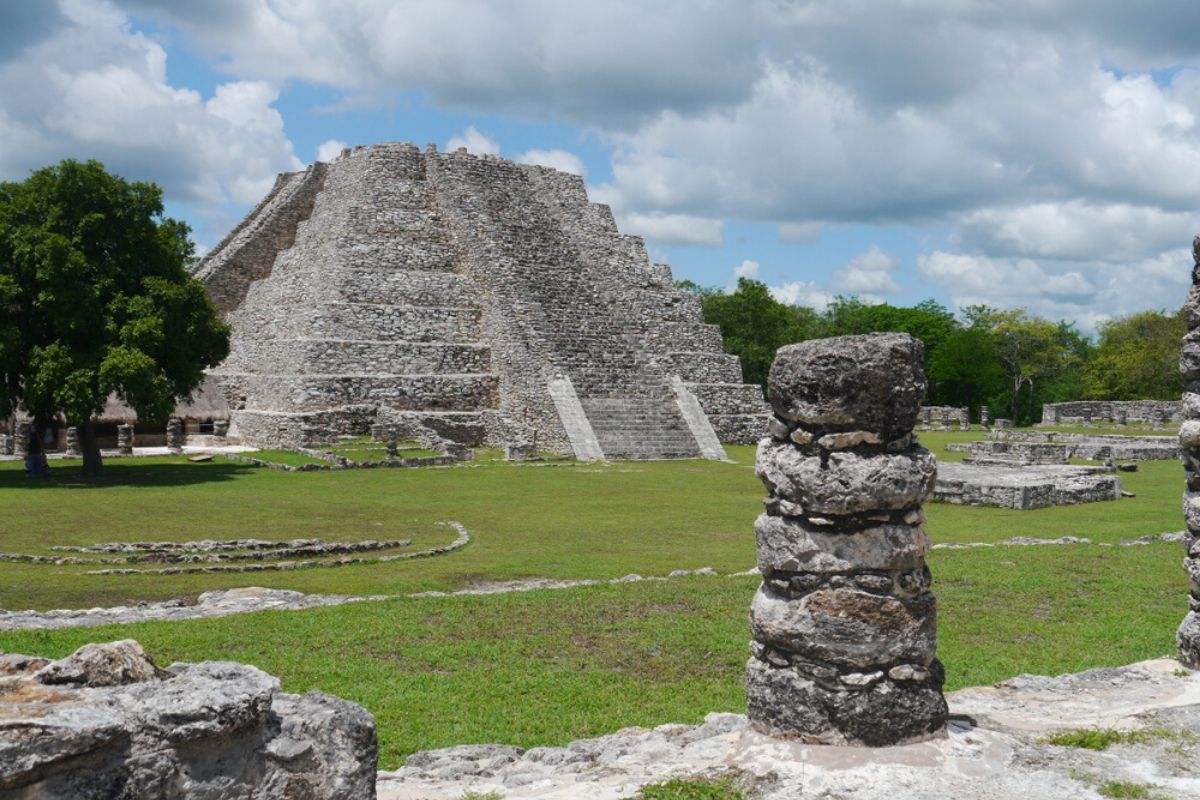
993,750
250,599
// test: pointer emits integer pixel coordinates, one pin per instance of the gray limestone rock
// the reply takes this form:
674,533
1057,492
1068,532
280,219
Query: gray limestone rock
873,383
791,545
109,664
847,482
847,627
80,729
784,702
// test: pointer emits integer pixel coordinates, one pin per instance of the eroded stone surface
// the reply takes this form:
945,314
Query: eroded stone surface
1188,635
992,750
844,624
874,382
107,723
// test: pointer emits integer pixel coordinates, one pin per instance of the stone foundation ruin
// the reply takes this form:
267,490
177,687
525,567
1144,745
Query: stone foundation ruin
485,300
1025,486
844,621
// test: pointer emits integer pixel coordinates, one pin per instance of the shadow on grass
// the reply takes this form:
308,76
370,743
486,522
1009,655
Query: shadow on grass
127,473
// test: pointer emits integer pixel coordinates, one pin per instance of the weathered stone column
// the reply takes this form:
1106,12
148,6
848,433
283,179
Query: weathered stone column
964,419
985,416
125,440
392,439
175,435
1122,417
21,442
1188,636
6,445
844,627
72,441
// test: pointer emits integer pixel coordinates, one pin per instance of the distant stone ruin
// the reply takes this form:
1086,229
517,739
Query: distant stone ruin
485,300
1116,412
844,623
1188,637
1025,486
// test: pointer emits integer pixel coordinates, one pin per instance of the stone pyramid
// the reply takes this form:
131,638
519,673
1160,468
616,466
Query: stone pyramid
482,300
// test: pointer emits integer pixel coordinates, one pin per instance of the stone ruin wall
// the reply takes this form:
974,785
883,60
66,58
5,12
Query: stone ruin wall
248,251
945,415
1111,410
452,291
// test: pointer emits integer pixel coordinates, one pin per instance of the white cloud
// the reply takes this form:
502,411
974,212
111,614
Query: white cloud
1084,291
673,228
802,293
329,150
746,269
868,272
1076,230
562,160
474,142
91,88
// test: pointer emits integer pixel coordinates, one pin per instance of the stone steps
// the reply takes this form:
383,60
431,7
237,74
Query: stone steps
634,428
337,284
357,356
368,321
288,392
706,367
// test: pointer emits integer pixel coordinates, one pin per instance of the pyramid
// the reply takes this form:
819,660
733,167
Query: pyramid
485,301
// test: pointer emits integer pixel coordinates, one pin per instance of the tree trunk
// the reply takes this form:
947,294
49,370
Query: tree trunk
90,448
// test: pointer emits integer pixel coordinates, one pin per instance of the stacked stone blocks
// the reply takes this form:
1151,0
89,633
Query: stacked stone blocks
1188,636
844,625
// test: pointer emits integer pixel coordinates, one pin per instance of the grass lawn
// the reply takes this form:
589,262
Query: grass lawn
549,666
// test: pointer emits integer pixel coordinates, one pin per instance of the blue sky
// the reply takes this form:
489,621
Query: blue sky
1035,153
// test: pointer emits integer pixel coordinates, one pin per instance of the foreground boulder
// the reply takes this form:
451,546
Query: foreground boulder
105,722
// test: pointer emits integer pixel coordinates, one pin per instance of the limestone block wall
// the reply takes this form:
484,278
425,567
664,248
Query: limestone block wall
945,415
248,252
1111,410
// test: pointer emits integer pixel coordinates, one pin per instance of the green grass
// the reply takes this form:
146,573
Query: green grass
1104,738
286,457
1124,790
547,667
726,787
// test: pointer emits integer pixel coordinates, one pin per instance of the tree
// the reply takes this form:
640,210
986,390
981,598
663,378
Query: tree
97,301
754,325
1030,350
1137,358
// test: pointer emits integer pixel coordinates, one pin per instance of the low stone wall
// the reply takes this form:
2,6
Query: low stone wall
1100,446
945,415
1112,411
106,722
1018,452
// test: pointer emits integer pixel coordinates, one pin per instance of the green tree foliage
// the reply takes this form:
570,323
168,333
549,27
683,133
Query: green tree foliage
755,324
1137,358
97,300
1038,357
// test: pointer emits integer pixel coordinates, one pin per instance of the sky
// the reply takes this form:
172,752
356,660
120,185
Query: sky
1041,154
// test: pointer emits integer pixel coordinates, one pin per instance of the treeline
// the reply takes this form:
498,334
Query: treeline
1010,360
